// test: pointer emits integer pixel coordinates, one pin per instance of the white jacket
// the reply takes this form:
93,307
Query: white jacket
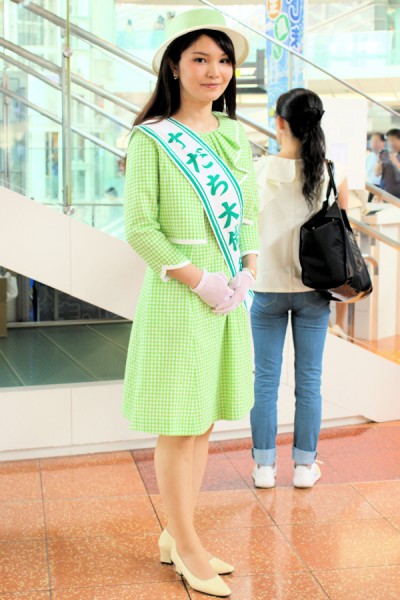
283,210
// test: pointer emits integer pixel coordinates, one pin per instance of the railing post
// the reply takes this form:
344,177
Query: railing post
66,115
351,315
7,141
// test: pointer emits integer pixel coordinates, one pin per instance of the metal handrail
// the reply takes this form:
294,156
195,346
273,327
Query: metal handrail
50,66
372,233
385,195
95,140
57,86
301,57
341,16
373,262
107,46
256,126
89,37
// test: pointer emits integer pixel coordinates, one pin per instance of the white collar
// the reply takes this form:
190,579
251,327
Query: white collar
280,170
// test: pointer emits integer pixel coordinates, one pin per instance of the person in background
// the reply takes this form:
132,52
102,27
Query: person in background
388,164
376,145
295,188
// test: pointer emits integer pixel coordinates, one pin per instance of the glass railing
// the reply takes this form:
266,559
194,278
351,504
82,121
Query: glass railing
105,88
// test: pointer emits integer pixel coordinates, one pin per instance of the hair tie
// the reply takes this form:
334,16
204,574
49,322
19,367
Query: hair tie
315,114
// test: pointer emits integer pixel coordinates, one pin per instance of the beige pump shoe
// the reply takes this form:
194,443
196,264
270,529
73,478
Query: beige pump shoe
214,586
165,544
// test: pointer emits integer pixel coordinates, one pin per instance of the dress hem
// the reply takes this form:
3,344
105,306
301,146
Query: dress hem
197,432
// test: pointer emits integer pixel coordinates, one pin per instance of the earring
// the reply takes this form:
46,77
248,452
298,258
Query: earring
176,76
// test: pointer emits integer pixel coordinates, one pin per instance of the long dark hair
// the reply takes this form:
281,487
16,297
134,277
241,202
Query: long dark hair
166,98
303,110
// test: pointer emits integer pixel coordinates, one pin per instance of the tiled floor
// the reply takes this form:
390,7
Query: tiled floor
86,527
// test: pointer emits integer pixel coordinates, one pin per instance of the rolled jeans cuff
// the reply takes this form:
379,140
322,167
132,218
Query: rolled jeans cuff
302,457
264,457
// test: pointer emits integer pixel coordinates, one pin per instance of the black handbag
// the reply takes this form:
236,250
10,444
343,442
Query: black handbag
330,258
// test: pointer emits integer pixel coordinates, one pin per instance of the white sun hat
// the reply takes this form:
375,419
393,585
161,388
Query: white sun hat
201,18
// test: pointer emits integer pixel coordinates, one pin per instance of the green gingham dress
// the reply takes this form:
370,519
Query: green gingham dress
186,367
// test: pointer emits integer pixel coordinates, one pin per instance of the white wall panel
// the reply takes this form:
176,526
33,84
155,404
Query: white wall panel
72,257
35,417
34,240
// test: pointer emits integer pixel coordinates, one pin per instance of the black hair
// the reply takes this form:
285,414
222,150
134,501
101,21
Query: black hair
165,100
303,110
394,133
380,135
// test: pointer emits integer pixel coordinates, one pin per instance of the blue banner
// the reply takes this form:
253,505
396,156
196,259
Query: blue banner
285,23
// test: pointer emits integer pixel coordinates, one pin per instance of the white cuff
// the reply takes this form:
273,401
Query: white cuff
256,252
165,268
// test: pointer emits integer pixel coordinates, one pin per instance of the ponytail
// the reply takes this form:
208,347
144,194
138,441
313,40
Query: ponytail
303,110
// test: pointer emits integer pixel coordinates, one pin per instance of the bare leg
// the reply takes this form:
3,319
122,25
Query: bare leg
200,456
174,460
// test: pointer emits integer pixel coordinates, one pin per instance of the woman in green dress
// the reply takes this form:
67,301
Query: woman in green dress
191,212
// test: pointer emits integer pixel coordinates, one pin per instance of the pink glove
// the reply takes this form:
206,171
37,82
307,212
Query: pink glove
242,283
213,288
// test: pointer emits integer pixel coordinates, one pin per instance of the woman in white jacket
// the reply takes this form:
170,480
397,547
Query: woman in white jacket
295,183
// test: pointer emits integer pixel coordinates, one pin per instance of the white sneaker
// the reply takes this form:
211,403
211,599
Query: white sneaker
264,476
337,330
305,477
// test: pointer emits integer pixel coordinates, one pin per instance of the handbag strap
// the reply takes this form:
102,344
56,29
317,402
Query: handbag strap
332,184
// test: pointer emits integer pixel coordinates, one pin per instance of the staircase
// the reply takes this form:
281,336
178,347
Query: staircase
65,133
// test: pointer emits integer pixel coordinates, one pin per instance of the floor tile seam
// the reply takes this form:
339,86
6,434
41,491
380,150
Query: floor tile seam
330,521
141,534
369,502
319,584
63,466
295,551
110,586
102,335
361,451
71,498
391,524
363,568
21,540
45,535
22,501
237,471
186,587
333,521
142,582
156,513
66,353
336,472
105,536
13,369
253,491
373,481
84,498
354,483
346,521
151,534
140,473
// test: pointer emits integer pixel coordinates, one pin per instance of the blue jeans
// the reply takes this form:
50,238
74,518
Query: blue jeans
269,319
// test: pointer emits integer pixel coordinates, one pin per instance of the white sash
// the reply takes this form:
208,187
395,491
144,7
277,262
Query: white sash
213,182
